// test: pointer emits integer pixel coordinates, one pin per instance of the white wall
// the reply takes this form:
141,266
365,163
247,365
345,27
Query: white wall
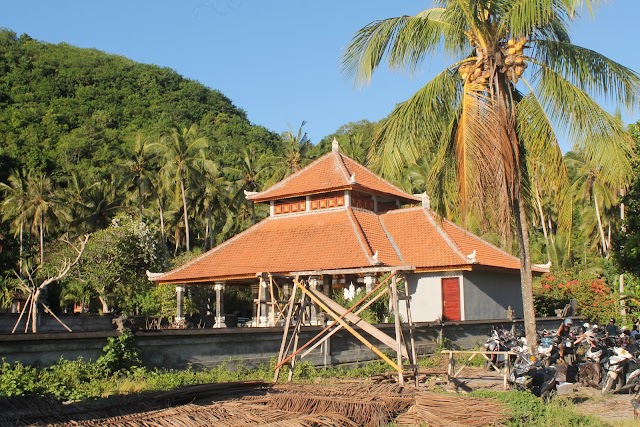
425,290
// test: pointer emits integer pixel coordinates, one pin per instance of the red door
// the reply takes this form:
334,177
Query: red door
450,298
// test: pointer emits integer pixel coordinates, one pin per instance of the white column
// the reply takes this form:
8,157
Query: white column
272,208
219,288
347,198
180,303
368,283
263,303
307,204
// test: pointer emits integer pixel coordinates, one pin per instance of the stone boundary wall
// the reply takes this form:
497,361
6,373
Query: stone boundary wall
249,347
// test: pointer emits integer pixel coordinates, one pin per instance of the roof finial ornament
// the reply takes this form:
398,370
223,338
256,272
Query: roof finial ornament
472,257
335,147
375,259
426,201
352,178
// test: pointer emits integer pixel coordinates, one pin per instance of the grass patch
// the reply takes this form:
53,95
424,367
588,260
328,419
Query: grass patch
528,410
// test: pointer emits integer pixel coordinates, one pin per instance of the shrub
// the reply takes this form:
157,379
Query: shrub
596,300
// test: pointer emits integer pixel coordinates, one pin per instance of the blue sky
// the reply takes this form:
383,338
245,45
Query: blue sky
278,60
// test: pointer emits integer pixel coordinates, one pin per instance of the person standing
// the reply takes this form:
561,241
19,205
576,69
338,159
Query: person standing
612,329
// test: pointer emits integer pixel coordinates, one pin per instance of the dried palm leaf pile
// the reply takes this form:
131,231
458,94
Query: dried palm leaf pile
259,404
366,405
442,410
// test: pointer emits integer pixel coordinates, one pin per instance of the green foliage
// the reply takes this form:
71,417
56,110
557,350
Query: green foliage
378,312
596,299
17,379
120,354
627,241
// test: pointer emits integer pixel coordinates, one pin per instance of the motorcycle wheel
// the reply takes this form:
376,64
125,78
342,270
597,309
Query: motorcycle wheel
609,384
548,395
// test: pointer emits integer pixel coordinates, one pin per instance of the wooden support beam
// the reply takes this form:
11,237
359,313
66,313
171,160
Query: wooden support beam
338,327
26,304
284,334
318,300
362,324
396,314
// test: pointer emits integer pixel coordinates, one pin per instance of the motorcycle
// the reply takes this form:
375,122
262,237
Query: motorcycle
548,349
496,342
592,371
528,374
617,367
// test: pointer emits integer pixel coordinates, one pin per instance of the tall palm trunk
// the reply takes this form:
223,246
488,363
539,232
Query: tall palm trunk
140,201
161,212
543,223
41,240
526,277
186,219
600,228
21,247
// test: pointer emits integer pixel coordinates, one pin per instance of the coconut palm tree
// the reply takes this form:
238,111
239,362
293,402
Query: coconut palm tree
483,125
139,164
184,151
295,146
44,207
16,197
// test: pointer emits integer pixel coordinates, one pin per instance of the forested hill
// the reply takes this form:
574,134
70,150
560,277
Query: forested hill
64,108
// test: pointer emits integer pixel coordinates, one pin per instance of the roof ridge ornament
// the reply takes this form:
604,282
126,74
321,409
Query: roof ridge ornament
375,259
352,178
426,200
335,147
546,266
472,257
250,193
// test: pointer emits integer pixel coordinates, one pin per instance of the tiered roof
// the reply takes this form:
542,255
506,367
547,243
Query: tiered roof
342,238
332,172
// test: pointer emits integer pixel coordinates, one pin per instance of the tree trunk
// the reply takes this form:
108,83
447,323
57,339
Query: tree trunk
526,277
210,227
140,201
600,228
41,240
105,305
164,239
186,220
543,224
21,248
35,312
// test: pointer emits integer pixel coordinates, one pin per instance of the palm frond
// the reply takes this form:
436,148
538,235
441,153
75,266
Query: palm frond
405,40
405,133
598,133
590,71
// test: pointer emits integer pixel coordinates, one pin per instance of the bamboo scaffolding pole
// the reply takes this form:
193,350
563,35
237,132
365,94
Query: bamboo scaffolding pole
396,315
285,333
338,327
31,306
296,336
26,304
353,332
48,310
414,356
362,324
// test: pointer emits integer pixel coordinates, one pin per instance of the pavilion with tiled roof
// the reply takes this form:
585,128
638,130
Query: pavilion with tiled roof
338,222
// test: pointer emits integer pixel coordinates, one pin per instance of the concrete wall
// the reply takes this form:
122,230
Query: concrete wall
487,295
250,347
77,323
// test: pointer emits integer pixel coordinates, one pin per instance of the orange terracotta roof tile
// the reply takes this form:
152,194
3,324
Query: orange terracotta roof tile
427,241
331,172
318,240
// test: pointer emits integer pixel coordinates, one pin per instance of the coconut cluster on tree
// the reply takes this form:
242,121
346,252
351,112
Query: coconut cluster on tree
508,59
